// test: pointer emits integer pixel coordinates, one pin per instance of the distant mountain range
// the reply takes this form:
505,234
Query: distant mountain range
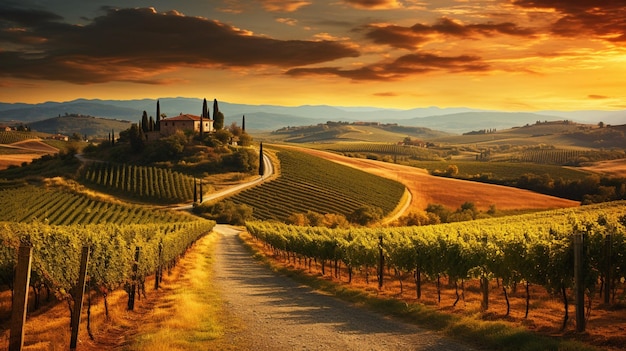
271,117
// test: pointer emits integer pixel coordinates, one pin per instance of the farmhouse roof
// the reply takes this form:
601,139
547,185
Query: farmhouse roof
185,117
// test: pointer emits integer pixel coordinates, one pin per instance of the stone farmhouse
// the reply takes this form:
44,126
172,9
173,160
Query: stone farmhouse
183,122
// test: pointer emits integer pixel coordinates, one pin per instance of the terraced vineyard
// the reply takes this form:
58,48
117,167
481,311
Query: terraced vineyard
30,204
308,183
146,183
15,136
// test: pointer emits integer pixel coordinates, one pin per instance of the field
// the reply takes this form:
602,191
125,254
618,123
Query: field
22,150
59,215
427,189
310,183
531,252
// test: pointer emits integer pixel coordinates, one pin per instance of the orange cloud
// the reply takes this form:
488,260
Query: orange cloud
401,67
603,19
410,37
374,4
283,5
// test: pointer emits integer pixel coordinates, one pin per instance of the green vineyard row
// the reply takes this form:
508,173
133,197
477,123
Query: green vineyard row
56,251
148,183
29,204
534,248
311,183
15,136
419,153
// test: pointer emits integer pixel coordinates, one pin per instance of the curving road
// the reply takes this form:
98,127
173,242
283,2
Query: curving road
269,171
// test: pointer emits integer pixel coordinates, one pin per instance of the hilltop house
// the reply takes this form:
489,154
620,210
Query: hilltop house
169,126
185,122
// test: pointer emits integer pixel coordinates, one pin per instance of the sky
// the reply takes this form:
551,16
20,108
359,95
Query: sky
509,55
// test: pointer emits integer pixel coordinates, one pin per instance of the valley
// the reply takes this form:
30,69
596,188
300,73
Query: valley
338,187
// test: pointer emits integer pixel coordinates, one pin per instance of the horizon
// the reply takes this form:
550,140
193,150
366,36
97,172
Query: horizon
501,55
345,107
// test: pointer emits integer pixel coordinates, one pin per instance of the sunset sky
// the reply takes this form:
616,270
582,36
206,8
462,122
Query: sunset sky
511,55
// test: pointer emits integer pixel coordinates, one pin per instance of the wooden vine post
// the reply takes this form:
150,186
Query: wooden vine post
20,297
579,282
133,285
381,262
157,275
79,297
607,273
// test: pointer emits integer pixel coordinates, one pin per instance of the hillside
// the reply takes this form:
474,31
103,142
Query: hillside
558,133
272,117
92,127
343,131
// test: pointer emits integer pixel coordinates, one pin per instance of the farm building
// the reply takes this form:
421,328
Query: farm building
185,122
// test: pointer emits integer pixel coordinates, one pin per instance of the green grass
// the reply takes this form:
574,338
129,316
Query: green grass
311,183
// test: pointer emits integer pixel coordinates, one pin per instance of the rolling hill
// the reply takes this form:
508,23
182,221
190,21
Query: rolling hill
272,117
92,127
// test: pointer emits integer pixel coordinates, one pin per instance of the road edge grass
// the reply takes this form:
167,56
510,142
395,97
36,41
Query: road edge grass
191,312
487,335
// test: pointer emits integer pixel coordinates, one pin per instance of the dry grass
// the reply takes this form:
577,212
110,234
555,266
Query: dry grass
612,168
185,312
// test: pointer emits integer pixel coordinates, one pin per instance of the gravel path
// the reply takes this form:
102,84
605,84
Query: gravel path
275,313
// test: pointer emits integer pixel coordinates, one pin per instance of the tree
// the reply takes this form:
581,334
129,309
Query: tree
245,139
205,114
144,122
365,215
136,137
158,116
261,163
218,120
218,117
243,123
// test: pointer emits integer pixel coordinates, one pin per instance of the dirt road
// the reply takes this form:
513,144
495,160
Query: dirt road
275,313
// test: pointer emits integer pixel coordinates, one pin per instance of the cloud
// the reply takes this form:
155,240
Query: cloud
138,44
283,5
374,4
410,37
404,66
386,94
604,19
597,97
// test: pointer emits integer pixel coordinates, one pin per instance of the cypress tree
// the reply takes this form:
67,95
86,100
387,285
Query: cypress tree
218,117
243,123
158,116
261,163
205,114
144,122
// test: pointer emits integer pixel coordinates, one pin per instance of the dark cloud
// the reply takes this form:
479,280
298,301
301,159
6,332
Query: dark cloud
605,18
135,44
410,37
403,66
